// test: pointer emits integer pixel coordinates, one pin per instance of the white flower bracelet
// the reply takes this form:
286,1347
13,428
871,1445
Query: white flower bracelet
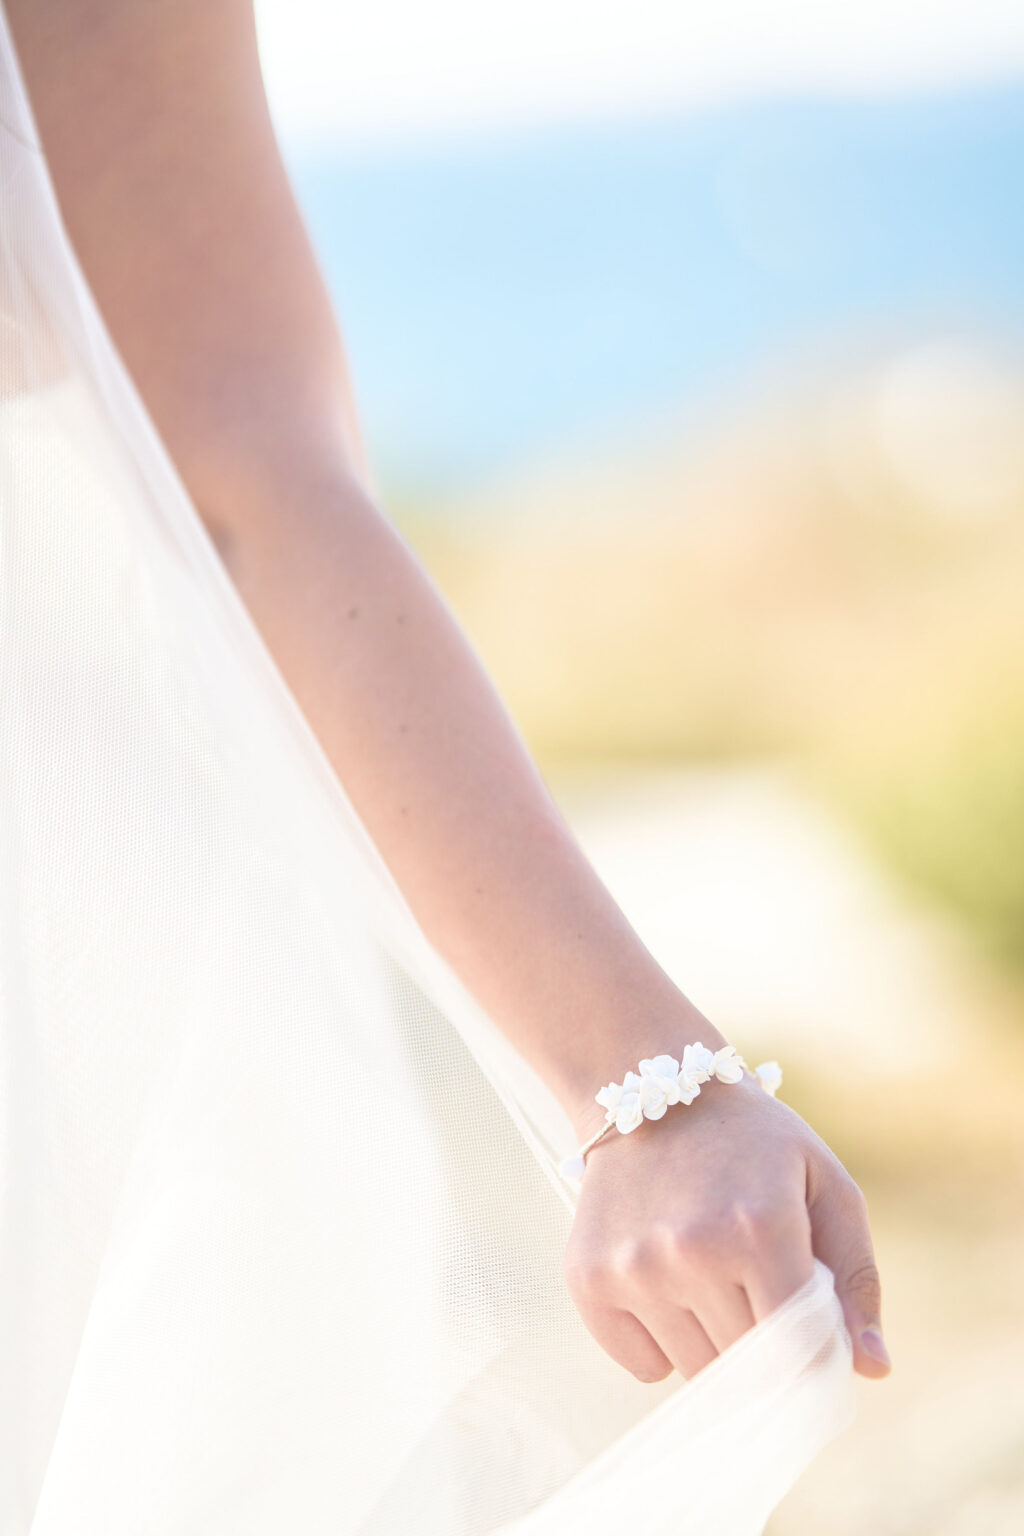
661,1081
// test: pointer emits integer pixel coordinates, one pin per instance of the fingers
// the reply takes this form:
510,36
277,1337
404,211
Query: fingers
722,1313
783,1268
662,1338
680,1335
622,1336
674,1293
841,1238
677,1304
631,1308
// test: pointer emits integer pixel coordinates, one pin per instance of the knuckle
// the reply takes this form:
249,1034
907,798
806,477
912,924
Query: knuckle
840,1191
865,1282
757,1221
855,1206
642,1260
587,1279
736,1227
701,1239
851,1193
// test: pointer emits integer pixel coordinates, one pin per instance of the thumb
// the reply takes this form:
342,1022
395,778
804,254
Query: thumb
841,1238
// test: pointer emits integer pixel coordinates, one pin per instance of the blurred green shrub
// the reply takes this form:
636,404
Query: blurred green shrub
950,821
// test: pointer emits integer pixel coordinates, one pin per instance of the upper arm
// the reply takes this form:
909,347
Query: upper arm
159,141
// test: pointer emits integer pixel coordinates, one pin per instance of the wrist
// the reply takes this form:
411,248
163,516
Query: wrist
619,1049
595,1130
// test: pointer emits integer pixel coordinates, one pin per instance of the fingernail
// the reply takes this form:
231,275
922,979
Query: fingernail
872,1343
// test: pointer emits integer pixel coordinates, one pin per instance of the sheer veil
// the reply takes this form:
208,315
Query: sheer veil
281,1226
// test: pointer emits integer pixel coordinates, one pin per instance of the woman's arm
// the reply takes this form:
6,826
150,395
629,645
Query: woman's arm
172,188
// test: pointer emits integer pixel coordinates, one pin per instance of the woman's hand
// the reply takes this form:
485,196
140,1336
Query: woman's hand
688,1230
692,1228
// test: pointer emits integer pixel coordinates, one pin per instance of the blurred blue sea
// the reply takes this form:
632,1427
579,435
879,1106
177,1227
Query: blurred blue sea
505,297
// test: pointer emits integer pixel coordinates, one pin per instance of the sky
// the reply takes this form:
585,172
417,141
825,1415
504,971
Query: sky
549,223
399,69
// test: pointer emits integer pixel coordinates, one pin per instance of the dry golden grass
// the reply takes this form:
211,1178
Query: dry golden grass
757,599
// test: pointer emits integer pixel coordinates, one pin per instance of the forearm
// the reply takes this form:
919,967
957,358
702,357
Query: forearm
158,137
441,778
172,188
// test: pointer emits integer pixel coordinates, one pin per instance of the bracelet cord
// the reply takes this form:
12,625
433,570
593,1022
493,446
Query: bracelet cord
674,1083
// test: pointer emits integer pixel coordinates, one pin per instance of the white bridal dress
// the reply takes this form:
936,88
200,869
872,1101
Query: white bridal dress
281,1226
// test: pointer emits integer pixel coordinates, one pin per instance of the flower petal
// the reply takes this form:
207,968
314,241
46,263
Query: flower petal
652,1092
659,1066
629,1116
725,1065
770,1074
697,1061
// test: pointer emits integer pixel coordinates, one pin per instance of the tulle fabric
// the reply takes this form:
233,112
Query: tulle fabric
281,1227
